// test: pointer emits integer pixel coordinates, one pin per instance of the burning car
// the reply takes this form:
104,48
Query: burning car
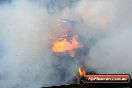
66,50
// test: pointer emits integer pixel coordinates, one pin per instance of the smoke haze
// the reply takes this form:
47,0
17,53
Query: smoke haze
26,25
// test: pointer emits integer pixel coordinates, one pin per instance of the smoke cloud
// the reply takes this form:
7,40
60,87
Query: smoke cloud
25,57
26,25
110,52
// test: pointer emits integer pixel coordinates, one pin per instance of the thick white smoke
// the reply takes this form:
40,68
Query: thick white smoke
111,52
24,36
25,28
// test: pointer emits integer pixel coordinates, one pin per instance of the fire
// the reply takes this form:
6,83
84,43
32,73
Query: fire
81,71
63,45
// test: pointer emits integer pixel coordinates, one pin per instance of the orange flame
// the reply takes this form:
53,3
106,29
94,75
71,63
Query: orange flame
81,71
65,46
